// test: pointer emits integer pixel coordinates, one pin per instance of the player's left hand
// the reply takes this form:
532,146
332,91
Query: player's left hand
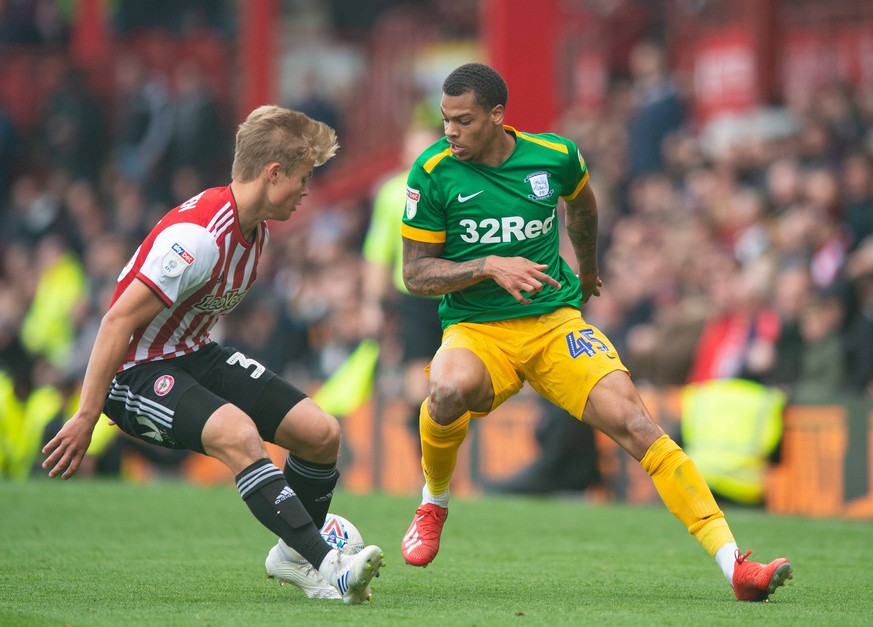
591,285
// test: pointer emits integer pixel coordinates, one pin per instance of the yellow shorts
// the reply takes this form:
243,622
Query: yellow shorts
558,353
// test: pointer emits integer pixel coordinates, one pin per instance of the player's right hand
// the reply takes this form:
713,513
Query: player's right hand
517,275
67,449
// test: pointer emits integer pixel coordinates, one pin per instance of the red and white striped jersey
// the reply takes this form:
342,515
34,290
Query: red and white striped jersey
197,261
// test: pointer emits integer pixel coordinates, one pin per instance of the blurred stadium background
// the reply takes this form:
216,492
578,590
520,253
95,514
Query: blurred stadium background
730,145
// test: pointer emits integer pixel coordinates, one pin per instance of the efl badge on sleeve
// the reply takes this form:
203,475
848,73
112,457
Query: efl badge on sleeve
176,260
412,198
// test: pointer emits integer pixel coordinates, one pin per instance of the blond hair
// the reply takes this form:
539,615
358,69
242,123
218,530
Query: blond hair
275,134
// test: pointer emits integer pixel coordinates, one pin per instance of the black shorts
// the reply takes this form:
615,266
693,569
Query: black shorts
419,326
168,402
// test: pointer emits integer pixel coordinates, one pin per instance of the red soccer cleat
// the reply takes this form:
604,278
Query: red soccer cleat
422,542
756,582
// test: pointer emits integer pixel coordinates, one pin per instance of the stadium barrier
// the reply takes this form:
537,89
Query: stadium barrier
825,467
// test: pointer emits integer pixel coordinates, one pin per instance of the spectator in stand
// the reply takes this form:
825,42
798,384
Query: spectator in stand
792,292
822,372
51,23
145,123
33,211
859,326
9,153
827,238
129,209
85,216
48,328
73,128
739,338
15,360
839,119
658,110
17,23
857,191
198,143
782,181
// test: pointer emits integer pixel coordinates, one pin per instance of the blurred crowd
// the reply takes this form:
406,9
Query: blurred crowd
736,251
739,249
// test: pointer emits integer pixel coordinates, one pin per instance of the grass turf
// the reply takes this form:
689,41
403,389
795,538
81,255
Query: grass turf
108,553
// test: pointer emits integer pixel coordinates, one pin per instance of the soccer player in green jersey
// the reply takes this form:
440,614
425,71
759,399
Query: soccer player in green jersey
481,229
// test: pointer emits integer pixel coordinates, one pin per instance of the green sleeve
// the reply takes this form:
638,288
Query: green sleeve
425,210
577,169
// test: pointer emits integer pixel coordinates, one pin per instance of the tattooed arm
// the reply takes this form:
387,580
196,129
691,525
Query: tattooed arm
581,221
426,273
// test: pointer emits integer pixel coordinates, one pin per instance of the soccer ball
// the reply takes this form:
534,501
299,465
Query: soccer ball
339,533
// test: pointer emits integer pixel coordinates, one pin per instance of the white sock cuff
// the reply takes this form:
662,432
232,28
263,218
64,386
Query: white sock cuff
725,557
442,500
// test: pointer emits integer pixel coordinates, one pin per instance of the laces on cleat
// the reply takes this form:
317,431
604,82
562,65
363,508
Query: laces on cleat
422,540
756,582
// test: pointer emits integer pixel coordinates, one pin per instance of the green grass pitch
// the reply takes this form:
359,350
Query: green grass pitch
89,552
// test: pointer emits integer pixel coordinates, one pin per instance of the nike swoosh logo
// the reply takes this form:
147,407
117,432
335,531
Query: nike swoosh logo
466,198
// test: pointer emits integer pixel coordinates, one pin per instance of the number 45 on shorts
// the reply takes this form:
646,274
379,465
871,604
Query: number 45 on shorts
585,344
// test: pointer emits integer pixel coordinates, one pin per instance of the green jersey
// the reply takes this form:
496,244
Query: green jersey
509,210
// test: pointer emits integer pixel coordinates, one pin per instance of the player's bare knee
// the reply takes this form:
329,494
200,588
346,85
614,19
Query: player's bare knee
326,441
446,401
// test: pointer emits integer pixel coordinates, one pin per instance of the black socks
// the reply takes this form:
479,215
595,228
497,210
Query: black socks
314,485
264,489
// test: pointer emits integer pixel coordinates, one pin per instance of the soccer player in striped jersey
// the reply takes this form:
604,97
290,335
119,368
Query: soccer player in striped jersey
156,373
481,229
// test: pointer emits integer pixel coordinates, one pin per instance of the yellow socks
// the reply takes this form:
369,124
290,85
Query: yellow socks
439,449
685,493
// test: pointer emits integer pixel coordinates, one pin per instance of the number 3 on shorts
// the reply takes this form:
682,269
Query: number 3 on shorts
246,363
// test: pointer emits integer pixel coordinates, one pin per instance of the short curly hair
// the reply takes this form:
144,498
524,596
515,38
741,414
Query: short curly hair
484,81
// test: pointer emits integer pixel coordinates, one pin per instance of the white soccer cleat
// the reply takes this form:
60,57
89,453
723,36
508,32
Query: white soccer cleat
297,571
351,574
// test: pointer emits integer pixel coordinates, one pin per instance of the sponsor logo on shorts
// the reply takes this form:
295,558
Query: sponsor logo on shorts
149,429
164,384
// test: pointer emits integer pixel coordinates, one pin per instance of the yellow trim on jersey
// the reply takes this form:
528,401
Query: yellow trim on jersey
421,235
578,187
543,142
431,163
